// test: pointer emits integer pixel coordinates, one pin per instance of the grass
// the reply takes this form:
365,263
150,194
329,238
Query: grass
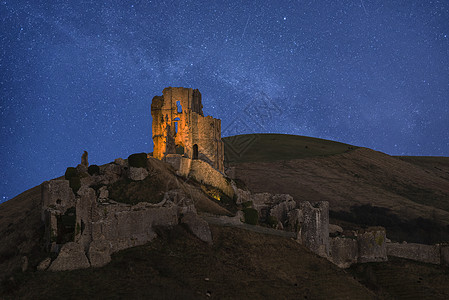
272,147
404,279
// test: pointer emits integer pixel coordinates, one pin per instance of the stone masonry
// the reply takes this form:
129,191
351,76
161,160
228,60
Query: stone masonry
181,129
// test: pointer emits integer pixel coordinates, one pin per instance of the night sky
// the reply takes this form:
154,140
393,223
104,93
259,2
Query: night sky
80,75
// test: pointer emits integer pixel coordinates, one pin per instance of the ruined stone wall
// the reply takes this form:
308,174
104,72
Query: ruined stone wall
178,121
314,227
204,173
372,245
85,226
418,252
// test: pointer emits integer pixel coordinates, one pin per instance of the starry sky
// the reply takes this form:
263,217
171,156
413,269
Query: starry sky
80,75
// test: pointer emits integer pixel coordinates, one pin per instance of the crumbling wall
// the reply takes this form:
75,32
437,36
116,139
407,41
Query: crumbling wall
102,226
314,227
203,172
372,245
344,251
418,252
179,127
268,205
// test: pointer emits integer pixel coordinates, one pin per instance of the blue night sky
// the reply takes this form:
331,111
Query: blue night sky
80,75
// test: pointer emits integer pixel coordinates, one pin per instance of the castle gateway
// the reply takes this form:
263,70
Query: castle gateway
181,129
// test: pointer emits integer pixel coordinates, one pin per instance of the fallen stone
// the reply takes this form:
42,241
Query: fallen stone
197,226
43,265
137,174
99,253
71,257
121,162
103,193
334,229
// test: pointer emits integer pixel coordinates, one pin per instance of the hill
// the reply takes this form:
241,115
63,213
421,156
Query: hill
407,195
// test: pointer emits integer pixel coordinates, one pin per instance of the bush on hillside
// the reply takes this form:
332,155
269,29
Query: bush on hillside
70,172
137,160
251,216
93,169
75,183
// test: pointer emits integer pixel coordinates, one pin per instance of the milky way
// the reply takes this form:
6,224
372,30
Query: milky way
80,75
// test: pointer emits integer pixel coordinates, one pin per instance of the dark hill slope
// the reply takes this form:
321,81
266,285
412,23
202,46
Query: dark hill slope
241,264
348,176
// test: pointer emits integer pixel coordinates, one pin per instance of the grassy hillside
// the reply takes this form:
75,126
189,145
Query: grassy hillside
272,147
413,192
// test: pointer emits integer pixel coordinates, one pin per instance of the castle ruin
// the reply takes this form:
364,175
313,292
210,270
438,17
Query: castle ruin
180,128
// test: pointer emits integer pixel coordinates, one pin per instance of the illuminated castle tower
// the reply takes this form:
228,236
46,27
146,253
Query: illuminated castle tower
180,128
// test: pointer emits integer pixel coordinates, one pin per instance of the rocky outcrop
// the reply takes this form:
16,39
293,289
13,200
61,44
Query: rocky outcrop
197,226
70,257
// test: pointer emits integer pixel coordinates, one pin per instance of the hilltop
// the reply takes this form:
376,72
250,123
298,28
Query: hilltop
407,195
362,186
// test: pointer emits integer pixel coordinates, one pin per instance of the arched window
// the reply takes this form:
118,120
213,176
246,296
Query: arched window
195,152
176,124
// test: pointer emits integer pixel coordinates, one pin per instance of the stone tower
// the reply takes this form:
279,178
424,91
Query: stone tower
181,129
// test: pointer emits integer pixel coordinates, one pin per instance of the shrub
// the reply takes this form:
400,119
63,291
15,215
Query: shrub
93,169
251,216
247,204
137,160
75,183
70,172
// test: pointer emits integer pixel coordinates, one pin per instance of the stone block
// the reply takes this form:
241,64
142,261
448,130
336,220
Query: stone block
99,253
71,257
199,227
